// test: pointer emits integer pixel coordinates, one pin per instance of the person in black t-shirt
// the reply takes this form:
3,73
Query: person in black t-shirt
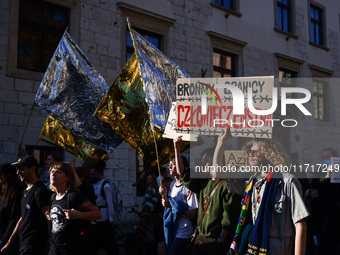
10,198
69,209
32,228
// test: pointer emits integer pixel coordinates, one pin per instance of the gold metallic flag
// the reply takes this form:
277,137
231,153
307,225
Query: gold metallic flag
125,108
54,132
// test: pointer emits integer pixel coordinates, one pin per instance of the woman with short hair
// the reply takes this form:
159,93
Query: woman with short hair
69,209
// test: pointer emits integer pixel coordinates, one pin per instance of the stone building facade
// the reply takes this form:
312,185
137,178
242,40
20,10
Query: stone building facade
294,38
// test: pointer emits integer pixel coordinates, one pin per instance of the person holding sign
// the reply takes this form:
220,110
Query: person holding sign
180,208
217,210
273,212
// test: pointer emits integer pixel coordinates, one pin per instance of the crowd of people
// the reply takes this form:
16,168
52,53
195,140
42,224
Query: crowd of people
66,215
62,209
265,214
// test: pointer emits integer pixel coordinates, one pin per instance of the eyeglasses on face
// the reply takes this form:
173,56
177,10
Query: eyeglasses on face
253,152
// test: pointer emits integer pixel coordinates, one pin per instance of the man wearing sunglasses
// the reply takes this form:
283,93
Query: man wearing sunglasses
273,214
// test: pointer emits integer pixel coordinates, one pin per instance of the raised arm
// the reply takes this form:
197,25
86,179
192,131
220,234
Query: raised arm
76,176
178,158
236,185
21,150
221,142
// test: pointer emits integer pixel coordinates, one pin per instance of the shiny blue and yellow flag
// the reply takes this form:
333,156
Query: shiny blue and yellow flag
70,92
138,103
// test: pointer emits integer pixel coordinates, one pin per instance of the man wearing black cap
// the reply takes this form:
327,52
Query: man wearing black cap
32,227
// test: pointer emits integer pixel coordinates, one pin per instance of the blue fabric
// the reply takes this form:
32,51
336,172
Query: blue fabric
159,75
244,239
170,218
326,162
258,239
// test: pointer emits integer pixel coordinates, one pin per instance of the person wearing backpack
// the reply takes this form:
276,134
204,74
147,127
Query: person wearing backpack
106,224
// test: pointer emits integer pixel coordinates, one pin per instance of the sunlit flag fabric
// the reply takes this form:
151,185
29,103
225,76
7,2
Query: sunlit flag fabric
159,76
70,92
139,101
54,132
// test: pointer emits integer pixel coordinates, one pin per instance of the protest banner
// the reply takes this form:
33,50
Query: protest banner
207,106
170,128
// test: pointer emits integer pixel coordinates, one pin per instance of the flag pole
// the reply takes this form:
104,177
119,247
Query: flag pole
29,116
159,169
153,131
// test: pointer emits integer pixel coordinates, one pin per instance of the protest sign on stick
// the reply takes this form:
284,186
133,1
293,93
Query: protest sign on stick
207,106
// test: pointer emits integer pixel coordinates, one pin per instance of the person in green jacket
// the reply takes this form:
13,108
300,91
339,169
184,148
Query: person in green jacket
218,225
